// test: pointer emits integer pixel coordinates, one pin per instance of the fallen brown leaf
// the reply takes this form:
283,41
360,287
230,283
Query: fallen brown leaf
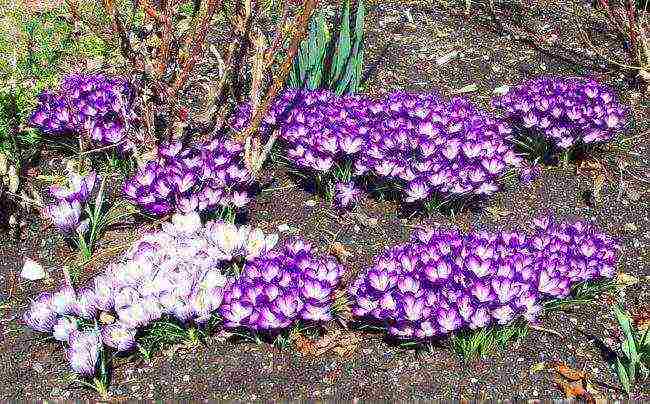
340,252
303,344
342,344
569,373
573,390
590,164
642,319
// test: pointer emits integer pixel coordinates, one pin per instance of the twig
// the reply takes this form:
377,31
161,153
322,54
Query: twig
196,48
593,48
547,330
102,148
25,199
278,83
279,36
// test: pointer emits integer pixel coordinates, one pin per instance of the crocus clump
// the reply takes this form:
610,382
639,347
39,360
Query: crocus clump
565,111
96,106
443,281
67,211
188,272
186,179
437,149
280,288
423,146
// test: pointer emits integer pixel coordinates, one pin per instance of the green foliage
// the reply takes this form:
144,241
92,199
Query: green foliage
323,63
474,344
632,365
17,142
582,293
166,332
99,219
35,47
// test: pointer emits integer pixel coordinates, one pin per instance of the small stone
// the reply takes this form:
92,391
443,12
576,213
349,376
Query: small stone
311,203
283,227
56,392
32,270
630,227
116,391
37,367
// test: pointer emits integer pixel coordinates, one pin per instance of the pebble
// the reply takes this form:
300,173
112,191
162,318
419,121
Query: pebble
285,228
630,227
116,391
38,368
32,270
311,203
56,392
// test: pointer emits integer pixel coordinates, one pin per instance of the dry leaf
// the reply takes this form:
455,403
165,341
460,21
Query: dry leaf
590,164
538,367
340,252
342,344
598,186
497,212
624,280
642,320
569,373
303,344
337,342
575,391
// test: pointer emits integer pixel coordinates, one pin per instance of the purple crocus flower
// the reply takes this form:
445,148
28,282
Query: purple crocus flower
83,352
566,111
96,104
63,327
65,215
41,315
119,337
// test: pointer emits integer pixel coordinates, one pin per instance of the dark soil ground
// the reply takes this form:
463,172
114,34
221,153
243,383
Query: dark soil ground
404,39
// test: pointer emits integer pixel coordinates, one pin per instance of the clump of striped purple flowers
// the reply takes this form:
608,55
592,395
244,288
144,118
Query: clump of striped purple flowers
419,144
70,199
566,111
282,287
443,281
186,179
96,106
436,149
320,133
188,273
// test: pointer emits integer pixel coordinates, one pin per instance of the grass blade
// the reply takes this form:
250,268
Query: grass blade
342,51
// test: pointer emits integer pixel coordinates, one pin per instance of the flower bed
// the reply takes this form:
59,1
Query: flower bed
188,272
439,283
442,282
423,146
567,112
